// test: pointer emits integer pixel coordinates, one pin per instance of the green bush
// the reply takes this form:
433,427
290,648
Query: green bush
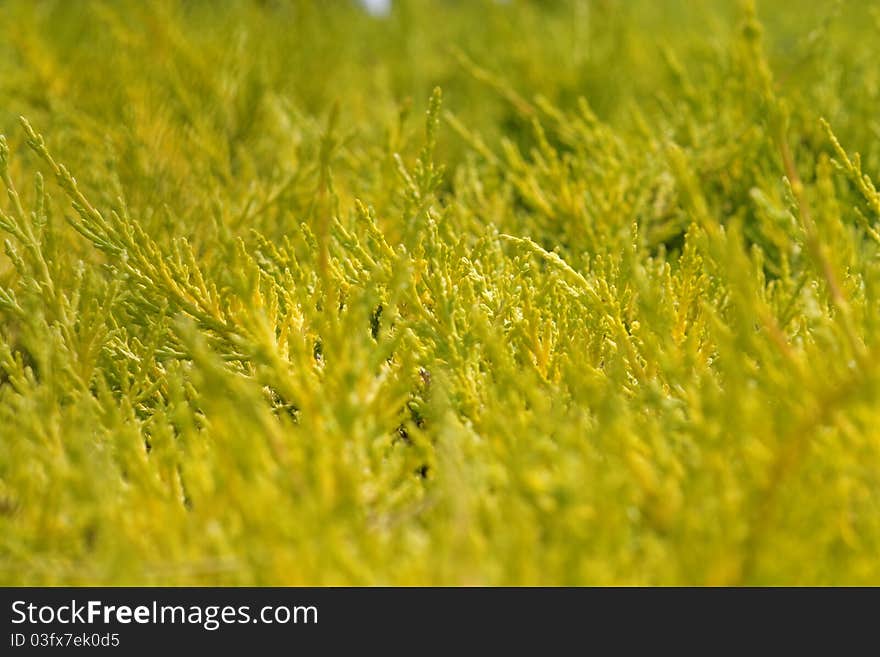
272,313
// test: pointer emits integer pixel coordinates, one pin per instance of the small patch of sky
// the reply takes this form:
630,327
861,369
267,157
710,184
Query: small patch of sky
377,7
383,7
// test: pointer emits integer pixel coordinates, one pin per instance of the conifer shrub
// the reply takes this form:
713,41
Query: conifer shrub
274,309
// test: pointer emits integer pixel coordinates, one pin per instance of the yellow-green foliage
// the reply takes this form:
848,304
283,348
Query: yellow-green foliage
272,313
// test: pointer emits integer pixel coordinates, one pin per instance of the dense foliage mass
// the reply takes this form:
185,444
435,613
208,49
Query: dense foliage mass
273,310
